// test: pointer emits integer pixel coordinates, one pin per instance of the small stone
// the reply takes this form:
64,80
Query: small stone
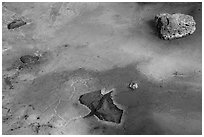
133,85
28,59
16,23
172,26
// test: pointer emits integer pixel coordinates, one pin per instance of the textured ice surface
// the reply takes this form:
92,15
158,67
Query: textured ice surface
86,47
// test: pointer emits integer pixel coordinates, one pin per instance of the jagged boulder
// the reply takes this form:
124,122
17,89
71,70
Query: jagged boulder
171,26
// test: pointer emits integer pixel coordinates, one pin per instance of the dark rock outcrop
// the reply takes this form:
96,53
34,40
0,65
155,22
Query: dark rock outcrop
102,106
171,26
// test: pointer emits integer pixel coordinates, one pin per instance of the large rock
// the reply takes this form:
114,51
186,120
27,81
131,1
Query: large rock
171,26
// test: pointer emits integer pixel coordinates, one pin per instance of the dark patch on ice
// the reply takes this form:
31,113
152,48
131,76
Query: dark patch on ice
8,82
101,106
16,23
28,59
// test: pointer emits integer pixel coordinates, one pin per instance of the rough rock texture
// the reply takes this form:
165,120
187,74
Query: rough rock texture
171,26
101,106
